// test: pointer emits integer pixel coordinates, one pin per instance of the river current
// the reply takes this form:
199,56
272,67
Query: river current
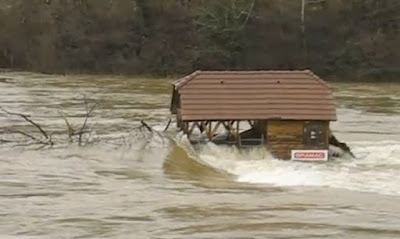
124,182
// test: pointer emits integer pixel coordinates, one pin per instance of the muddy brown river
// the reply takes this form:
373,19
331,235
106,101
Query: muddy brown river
125,183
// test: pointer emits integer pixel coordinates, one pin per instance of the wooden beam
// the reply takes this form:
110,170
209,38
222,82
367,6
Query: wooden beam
237,127
216,128
185,127
202,126
251,123
237,132
209,128
225,123
231,128
192,128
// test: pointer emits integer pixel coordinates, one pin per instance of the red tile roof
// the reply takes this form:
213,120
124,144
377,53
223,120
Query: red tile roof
254,95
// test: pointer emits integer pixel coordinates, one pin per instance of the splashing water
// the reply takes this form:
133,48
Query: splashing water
375,169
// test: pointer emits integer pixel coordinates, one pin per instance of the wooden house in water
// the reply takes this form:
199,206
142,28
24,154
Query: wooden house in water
288,111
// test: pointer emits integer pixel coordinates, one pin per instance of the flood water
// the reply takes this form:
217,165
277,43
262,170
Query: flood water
125,183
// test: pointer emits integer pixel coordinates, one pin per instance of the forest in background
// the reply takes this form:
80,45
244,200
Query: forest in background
340,39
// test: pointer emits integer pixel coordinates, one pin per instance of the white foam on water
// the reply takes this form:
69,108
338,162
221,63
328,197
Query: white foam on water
376,169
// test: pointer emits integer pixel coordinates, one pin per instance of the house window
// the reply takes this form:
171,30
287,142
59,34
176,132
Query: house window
314,133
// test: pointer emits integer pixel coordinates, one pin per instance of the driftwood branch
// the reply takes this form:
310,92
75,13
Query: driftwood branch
25,134
70,128
334,141
148,134
145,125
47,136
26,117
146,130
88,112
83,129
168,124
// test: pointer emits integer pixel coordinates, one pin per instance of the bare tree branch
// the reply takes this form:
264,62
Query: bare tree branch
144,124
169,123
37,141
26,117
70,128
48,140
88,112
147,132
248,14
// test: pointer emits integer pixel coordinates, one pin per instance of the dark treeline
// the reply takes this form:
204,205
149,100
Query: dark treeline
354,39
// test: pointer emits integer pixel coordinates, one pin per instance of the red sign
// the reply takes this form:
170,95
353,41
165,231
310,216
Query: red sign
310,155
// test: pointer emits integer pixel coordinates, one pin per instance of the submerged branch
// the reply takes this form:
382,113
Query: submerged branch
70,128
146,133
48,136
48,139
168,124
334,141
88,112
26,118
145,125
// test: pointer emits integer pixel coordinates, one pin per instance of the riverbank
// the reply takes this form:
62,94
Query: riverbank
387,78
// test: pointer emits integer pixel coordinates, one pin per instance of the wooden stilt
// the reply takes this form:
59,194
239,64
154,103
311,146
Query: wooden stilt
239,142
192,127
237,129
225,123
216,128
251,123
231,129
185,127
209,128
202,126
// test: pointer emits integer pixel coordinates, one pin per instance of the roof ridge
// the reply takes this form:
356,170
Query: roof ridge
314,76
184,80
252,71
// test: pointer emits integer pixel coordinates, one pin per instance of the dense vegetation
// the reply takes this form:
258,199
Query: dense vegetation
343,38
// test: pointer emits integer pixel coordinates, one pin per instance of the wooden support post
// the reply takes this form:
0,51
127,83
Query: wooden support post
225,125
202,126
209,128
192,128
185,127
233,129
251,123
237,131
215,128
327,134
230,128
179,122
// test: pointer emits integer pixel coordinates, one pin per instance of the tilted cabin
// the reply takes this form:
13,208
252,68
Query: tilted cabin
285,110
